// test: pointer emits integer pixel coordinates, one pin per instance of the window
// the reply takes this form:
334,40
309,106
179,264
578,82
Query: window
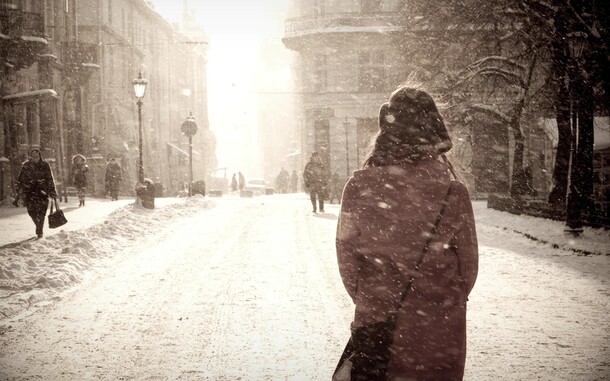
372,71
322,140
319,8
320,73
370,6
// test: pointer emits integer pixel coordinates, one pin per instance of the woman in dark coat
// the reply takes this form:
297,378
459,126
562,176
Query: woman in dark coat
79,176
113,178
36,184
387,211
316,181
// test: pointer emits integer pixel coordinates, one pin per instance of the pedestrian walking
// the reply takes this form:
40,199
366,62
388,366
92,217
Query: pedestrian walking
294,181
113,178
336,187
36,184
282,181
316,181
242,181
79,176
407,250
233,184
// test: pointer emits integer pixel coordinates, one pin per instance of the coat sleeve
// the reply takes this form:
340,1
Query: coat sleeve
49,181
466,238
21,180
347,234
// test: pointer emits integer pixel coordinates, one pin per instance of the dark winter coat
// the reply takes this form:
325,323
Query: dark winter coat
315,176
386,214
35,181
79,175
113,176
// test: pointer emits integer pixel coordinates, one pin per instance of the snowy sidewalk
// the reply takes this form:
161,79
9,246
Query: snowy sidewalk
17,226
544,231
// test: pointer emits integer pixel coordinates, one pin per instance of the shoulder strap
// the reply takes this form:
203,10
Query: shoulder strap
439,216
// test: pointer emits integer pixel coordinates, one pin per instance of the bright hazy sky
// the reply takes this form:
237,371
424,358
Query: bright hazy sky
234,28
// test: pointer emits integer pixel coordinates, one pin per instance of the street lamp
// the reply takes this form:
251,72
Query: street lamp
189,128
139,88
576,198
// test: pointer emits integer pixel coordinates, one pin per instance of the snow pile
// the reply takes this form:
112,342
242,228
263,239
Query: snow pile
548,232
40,269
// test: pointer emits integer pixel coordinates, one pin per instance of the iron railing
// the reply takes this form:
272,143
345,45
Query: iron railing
295,27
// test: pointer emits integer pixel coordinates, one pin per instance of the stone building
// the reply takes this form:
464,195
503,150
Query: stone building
66,87
346,69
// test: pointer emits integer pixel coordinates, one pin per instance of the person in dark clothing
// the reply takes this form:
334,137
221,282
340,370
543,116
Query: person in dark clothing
294,180
388,209
282,181
113,178
36,184
242,181
79,176
316,181
233,184
336,187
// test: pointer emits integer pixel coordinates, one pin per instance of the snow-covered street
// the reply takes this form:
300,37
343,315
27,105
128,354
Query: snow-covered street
248,289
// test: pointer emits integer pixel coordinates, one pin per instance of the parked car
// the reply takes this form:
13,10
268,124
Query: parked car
257,186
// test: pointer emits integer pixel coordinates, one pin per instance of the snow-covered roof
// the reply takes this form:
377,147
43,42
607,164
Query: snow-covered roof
347,29
27,94
48,55
34,39
178,149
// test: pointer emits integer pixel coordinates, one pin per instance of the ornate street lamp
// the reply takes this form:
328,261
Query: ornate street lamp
139,88
189,128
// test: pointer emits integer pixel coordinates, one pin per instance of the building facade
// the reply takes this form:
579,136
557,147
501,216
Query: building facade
346,69
66,87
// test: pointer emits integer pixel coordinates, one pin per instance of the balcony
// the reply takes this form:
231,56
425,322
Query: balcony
77,54
341,23
79,58
16,23
21,37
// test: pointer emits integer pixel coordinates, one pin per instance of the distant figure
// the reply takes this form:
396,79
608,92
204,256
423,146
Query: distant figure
336,187
36,184
316,181
233,184
294,180
282,181
79,176
113,178
242,181
401,272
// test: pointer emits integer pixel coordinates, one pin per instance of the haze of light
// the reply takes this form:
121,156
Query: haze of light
234,29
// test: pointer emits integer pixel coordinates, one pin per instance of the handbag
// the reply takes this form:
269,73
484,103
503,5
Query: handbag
56,218
368,350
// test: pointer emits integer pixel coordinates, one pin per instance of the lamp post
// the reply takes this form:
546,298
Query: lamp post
139,88
346,124
576,197
189,128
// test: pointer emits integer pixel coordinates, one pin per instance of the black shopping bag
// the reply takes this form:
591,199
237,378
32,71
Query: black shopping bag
56,218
